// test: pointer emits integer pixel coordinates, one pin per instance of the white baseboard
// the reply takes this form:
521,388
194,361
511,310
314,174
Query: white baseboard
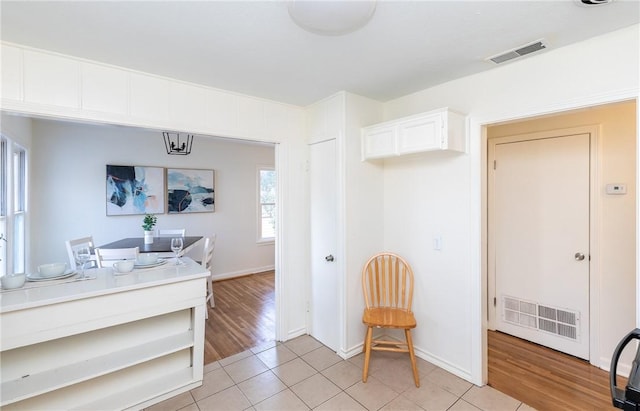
420,353
296,333
234,274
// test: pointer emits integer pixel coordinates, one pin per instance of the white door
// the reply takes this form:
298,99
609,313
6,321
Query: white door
323,308
541,228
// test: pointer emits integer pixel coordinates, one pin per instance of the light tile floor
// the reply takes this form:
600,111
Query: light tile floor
303,374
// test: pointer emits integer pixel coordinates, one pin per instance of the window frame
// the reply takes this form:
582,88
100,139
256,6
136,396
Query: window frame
14,188
260,239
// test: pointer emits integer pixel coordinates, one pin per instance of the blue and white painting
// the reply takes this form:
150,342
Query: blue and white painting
135,190
190,191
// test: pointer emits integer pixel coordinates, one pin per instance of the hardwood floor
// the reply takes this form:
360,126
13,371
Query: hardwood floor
244,315
545,379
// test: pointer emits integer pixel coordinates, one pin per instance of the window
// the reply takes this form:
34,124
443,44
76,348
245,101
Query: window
267,208
13,206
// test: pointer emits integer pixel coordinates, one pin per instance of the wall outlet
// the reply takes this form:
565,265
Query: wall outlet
616,189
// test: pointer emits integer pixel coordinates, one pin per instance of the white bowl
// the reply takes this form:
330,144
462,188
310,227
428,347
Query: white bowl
51,270
123,266
147,258
10,281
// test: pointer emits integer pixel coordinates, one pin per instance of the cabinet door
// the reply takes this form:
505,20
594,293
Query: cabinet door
378,142
421,134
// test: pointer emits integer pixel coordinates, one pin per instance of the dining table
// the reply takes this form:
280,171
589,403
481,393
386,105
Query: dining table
160,245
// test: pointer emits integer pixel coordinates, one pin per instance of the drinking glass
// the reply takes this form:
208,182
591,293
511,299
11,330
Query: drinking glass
82,254
176,247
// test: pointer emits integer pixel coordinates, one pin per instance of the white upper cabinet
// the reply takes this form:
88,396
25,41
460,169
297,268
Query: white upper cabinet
11,72
435,130
104,89
51,80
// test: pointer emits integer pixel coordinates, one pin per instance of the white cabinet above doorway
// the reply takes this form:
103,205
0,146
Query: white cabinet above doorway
441,129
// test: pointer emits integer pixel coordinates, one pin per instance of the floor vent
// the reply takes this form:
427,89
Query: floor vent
544,318
518,52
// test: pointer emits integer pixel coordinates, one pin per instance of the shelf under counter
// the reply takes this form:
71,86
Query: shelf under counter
123,341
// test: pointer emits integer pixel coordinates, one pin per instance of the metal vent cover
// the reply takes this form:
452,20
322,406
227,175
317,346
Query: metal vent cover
529,314
518,52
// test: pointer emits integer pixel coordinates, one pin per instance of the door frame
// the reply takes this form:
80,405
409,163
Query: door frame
595,221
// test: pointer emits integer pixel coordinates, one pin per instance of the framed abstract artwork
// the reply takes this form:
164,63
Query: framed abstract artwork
190,191
135,190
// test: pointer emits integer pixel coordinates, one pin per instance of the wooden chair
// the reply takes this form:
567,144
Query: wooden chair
105,257
207,258
172,232
387,284
73,244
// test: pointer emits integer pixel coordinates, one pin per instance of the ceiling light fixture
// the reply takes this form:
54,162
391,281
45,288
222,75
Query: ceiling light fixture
175,145
331,18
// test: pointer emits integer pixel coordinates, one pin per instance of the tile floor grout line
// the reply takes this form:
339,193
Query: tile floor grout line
347,389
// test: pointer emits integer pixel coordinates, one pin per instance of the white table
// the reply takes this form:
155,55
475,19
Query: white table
115,342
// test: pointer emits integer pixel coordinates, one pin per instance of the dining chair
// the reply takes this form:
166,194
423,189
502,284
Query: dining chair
172,232
105,257
387,284
207,258
76,243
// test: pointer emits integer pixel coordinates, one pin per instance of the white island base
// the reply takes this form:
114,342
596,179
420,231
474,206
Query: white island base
115,342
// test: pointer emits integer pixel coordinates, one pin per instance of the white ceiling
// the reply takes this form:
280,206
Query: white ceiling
254,48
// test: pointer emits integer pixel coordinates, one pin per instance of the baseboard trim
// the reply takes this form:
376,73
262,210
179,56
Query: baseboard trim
241,273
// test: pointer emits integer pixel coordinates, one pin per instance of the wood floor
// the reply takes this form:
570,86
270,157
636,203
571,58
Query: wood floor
546,379
244,317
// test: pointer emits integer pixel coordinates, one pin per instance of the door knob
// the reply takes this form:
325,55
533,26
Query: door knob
329,258
579,256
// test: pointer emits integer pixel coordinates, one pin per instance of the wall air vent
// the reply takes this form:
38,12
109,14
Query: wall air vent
530,314
518,52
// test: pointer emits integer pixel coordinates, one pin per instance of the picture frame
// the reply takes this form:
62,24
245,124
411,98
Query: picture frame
190,191
132,190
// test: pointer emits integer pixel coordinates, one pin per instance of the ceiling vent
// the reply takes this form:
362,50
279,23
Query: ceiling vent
519,52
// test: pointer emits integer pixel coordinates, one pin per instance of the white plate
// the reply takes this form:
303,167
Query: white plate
38,277
156,264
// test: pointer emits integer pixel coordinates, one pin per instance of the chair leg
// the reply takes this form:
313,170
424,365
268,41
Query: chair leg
414,365
367,353
212,301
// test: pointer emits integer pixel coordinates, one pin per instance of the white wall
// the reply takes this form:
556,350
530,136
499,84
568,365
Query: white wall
615,291
443,192
17,128
68,191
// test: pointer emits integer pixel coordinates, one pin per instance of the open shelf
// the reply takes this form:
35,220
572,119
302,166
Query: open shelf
49,380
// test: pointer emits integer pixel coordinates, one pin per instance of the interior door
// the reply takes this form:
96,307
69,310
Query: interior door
541,228
324,324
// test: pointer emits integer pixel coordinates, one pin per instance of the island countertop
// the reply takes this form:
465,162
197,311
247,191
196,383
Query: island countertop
105,282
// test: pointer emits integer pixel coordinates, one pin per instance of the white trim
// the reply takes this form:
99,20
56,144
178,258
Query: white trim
242,273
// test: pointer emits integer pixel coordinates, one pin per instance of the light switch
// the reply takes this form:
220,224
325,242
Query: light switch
437,243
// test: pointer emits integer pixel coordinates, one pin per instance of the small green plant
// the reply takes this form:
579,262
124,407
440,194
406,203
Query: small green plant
149,222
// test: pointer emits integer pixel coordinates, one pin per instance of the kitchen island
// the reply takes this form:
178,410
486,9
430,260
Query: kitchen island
115,342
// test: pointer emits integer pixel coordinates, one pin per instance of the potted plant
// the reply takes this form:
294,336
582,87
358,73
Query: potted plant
148,223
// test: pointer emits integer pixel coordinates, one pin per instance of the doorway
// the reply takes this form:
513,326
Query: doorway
612,275
539,207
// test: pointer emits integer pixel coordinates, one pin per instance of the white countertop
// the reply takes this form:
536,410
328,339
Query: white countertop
105,282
